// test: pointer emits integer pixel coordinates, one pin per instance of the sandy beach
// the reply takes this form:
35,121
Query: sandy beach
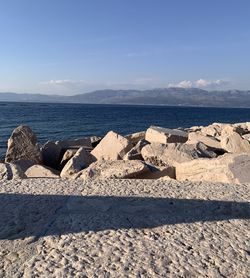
123,228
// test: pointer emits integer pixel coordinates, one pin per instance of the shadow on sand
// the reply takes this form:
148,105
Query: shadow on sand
39,215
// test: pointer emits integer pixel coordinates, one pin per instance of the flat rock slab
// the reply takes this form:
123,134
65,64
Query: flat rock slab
123,228
165,135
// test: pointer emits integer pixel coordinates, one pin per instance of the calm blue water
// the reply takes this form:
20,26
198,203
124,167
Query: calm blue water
61,121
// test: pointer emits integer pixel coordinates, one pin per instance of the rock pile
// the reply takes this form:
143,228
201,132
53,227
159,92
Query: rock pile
218,152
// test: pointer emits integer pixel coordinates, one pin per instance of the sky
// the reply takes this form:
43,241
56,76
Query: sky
76,46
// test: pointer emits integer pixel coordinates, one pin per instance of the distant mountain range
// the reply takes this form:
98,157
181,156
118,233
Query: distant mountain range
167,96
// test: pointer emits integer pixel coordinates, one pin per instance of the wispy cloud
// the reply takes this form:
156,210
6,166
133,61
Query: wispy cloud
57,82
182,84
200,83
66,86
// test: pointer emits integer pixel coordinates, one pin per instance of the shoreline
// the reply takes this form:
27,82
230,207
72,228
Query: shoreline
129,104
220,152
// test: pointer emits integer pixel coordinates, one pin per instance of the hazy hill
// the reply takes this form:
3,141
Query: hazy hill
168,96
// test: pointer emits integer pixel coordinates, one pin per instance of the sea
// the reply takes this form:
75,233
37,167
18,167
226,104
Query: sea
52,121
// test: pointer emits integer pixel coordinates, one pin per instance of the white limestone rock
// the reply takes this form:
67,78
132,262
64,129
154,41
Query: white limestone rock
167,155
39,171
116,169
156,134
112,147
229,168
232,142
82,159
76,143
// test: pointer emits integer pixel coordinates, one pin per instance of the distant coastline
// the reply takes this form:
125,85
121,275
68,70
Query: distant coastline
180,97
122,104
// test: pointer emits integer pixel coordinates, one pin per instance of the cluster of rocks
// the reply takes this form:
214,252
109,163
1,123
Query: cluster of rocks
218,152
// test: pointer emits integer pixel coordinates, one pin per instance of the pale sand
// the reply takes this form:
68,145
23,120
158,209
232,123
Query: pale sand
123,228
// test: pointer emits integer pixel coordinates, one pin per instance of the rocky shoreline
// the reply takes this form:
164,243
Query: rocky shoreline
149,204
218,152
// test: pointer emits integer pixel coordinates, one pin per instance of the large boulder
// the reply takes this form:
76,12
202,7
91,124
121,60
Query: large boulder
167,155
22,144
195,137
116,169
39,171
229,168
134,138
112,147
156,134
154,153
82,159
9,171
135,152
233,143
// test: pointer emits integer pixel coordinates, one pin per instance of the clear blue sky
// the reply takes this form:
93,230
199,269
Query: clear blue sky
74,46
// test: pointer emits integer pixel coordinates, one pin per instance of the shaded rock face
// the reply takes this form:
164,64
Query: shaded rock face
135,152
22,144
112,147
82,159
166,155
229,168
165,135
51,152
39,171
24,164
159,172
10,171
116,169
